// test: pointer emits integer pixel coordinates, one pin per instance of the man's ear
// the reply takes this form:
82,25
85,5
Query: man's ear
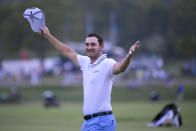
102,45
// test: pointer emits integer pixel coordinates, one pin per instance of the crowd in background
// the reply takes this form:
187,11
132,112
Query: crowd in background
189,67
143,70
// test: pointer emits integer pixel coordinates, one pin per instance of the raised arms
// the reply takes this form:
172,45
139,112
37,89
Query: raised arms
62,48
122,66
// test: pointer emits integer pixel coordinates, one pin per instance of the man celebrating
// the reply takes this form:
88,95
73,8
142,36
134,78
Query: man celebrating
98,75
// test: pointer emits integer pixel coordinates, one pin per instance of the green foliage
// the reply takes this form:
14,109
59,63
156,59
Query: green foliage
181,30
173,22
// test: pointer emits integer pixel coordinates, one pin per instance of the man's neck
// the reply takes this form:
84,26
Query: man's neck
94,59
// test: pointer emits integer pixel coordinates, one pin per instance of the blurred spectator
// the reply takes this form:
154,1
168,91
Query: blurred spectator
147,74
169,81
68,75
50,99
24,75
35,76
4,98
139,76
23,55
187,68
194,67
155,74
14,95
2,75
159,63
154,96
180,92
162,74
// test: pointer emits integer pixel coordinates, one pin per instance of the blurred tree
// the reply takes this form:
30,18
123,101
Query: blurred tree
181,33
165,28
187,47
15,31
146,21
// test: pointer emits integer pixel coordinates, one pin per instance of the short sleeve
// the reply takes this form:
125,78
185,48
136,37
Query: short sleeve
111,63
82,61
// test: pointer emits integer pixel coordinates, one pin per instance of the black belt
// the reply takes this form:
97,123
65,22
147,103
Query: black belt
87,117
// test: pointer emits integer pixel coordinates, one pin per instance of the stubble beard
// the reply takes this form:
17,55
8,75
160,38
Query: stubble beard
94,56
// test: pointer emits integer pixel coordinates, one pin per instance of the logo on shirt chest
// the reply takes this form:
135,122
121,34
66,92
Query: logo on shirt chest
95,71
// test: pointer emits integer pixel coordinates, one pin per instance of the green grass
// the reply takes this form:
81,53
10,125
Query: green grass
75,94
131,107
129,115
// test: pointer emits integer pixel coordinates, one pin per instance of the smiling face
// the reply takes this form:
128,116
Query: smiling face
92,48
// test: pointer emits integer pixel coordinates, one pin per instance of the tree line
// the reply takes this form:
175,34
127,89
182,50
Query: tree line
165,27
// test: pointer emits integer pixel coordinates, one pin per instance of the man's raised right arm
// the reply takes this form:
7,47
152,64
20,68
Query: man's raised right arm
62,48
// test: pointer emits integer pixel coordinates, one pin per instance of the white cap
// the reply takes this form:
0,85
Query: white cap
36,18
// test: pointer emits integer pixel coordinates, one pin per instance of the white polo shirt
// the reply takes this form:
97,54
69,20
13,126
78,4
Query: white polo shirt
97,83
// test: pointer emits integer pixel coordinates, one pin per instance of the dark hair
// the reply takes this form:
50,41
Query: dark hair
100,39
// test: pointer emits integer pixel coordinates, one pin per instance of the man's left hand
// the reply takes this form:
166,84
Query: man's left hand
134,47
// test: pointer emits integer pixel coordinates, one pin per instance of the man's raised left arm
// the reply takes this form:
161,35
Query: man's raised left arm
122,66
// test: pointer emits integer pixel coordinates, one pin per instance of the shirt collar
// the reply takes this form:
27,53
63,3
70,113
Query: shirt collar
101,58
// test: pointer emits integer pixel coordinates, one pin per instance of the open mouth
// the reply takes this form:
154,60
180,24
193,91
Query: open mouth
90,51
